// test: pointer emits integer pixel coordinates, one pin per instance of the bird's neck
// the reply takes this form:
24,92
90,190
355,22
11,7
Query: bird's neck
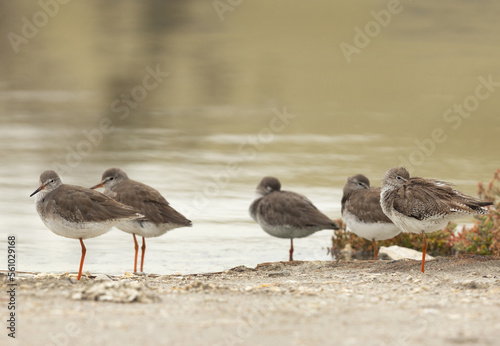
40,196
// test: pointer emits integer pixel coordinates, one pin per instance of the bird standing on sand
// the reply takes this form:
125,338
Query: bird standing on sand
159,216
77,212
363,214
418,205
286,214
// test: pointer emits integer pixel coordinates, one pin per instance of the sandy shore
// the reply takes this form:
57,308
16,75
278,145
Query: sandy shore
457,301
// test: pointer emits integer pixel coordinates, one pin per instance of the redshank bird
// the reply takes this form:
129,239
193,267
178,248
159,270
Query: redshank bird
286,214
418,205
159,216
77,212
363,214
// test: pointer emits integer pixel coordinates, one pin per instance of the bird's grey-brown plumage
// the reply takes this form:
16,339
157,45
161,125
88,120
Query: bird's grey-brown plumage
363,214
424,199
79,204
149,201
418,205
286,214
363,202
159,216
76,212
280,208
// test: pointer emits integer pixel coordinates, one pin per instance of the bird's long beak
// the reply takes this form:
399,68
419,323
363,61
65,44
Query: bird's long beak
97,186
38,190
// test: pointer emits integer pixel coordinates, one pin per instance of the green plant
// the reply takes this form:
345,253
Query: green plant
438,243
360,247
483,238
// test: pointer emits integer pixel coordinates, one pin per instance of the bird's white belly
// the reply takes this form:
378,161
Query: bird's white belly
286,231
83,230
377,231
412,225
145,229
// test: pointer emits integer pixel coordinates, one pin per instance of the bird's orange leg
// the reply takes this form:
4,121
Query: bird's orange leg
424,252
143,252
291,249
84,251
136,252
375,249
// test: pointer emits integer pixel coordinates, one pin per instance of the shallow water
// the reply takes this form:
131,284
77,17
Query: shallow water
205,134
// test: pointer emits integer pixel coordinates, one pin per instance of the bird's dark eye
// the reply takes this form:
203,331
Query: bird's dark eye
51,180
399,178
111,178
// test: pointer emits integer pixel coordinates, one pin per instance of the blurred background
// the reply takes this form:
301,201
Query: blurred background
201,99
